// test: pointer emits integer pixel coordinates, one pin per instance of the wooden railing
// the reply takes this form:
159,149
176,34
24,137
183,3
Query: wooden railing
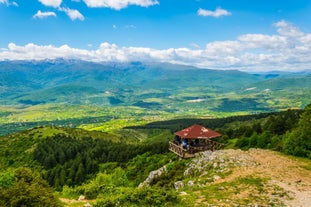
177,149
208,145
191,150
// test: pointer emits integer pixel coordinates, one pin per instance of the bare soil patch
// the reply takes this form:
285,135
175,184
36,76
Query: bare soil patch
282,171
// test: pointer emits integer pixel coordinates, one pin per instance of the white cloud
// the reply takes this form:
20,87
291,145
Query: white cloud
37,52
42,15
217,13
287,29
223,47
7,3
306,39
119,4
73,14
194,45
4,2
130,26
52,3
269,42
248,52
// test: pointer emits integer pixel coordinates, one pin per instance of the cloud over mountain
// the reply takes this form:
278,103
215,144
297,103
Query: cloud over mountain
289,49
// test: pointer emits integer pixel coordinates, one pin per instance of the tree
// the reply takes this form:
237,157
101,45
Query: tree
28,189
79,178
298,142
257,128
50,161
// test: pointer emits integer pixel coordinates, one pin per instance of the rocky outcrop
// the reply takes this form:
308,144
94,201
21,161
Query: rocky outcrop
152,175
218,161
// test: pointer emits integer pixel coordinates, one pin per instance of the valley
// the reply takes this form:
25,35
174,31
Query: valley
113,95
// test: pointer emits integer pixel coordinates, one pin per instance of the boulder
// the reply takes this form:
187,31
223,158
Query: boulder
81,198
216,177
178,185
190,183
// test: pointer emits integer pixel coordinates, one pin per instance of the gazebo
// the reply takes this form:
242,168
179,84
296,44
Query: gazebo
193,139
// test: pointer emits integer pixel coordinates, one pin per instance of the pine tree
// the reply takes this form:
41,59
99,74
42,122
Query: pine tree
79,177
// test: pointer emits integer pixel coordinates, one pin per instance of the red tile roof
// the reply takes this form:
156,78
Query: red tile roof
197,132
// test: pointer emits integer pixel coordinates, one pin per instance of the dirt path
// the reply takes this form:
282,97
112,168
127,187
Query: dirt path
283,172
74,202
287,174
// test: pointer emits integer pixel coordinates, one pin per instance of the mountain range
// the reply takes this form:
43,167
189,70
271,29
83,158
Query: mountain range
162,86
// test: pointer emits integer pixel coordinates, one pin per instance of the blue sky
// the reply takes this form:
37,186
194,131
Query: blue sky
249,35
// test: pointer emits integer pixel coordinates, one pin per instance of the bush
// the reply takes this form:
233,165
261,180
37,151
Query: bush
242,143
27,189
138,197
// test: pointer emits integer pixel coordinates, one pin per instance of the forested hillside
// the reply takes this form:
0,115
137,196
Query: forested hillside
109,167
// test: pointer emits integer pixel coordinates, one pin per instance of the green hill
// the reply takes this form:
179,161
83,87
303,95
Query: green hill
107,168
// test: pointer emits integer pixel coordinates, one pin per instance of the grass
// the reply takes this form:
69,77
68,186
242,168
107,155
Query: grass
307,167
305,163
113,125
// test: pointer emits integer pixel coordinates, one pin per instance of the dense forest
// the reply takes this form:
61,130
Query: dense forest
288,132
71,161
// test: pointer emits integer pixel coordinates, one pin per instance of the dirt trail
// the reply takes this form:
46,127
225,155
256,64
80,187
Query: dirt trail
283,172
74,202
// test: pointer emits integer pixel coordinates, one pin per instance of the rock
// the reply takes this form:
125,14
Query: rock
298,181
81,198
152,175
219,160
210,180
189,171
190,183
221,188
178,185
216,177
183,193
87,205
222,166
